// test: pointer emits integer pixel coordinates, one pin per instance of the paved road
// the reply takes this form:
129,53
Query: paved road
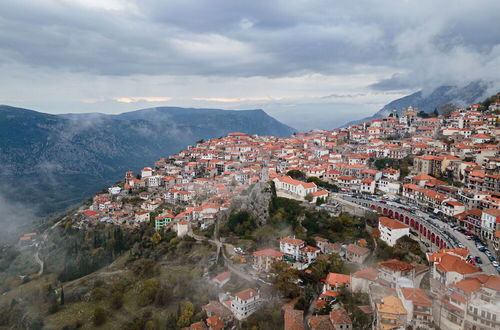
487,266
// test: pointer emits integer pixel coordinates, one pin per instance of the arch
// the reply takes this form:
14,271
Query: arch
374,206
421,229
385,210
433,238
407,220
396,215
438,241
425,231
412,223
379,209
428,234
401,217
391,213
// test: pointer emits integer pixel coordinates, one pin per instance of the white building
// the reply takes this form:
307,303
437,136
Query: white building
291,246
291,188
146,172
391,230
245,303
490,222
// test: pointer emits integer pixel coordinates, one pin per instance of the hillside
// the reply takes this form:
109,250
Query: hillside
50,162
458,96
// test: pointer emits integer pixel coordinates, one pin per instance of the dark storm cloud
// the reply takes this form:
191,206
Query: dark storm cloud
420,40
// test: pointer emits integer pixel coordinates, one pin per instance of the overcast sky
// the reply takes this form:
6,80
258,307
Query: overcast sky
305,62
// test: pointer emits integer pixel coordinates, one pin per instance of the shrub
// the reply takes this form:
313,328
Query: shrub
116,300
99,317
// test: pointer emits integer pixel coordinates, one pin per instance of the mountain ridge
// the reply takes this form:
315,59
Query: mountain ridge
428,102
61,159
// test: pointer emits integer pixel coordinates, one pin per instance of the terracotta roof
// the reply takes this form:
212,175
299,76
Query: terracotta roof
198,326
247,294
451,263
391,223
391,305
338,279
268,253
294,319
292,241
215,322
222,277
417,296
340,316
320,322
396,265
356,249
368,273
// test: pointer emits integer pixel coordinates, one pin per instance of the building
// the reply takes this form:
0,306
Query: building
418,305
490,223
391,230
391,314
356,253
448,267
291,246
291,188
392,270
222,278
340,319
334,282
245,303
263,259
362,279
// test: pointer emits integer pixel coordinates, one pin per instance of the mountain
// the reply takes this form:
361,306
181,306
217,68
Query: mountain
50,162
458,96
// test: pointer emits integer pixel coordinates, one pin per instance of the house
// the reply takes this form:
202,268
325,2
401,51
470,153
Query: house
418,305
245,303
356,253
308,254
490,223
340,319
336,320
291,246
222,278
141,216
214,307
215,322
333,283
291,188
392,270
362,279
391,314
368,186
448,268
162,220
146,172
391,230
263,259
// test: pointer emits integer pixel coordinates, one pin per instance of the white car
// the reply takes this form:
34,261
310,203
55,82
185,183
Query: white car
495,263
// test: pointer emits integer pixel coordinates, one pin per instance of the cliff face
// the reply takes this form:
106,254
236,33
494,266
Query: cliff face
59,160
255,201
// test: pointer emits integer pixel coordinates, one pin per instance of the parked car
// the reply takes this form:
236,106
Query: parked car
491,258
495,264
481,248
478,260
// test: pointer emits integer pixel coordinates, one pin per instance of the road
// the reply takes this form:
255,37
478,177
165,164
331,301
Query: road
439,226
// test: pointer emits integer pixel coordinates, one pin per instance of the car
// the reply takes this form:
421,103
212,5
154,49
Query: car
495,264
491,258
482,248
478,260
473,261
498,269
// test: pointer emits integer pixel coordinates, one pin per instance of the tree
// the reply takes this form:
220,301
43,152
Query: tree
296,174
147,292
285,279
99,316
309,197
447,109
186,315
116,300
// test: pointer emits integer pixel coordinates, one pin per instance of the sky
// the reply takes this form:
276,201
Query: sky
310,64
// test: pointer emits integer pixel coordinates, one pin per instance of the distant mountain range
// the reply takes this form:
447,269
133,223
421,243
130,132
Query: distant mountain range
53,161
458,96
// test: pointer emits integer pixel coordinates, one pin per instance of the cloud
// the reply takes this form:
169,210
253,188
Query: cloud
203,52
142,99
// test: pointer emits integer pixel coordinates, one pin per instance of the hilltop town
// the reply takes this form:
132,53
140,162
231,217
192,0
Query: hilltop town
420,193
